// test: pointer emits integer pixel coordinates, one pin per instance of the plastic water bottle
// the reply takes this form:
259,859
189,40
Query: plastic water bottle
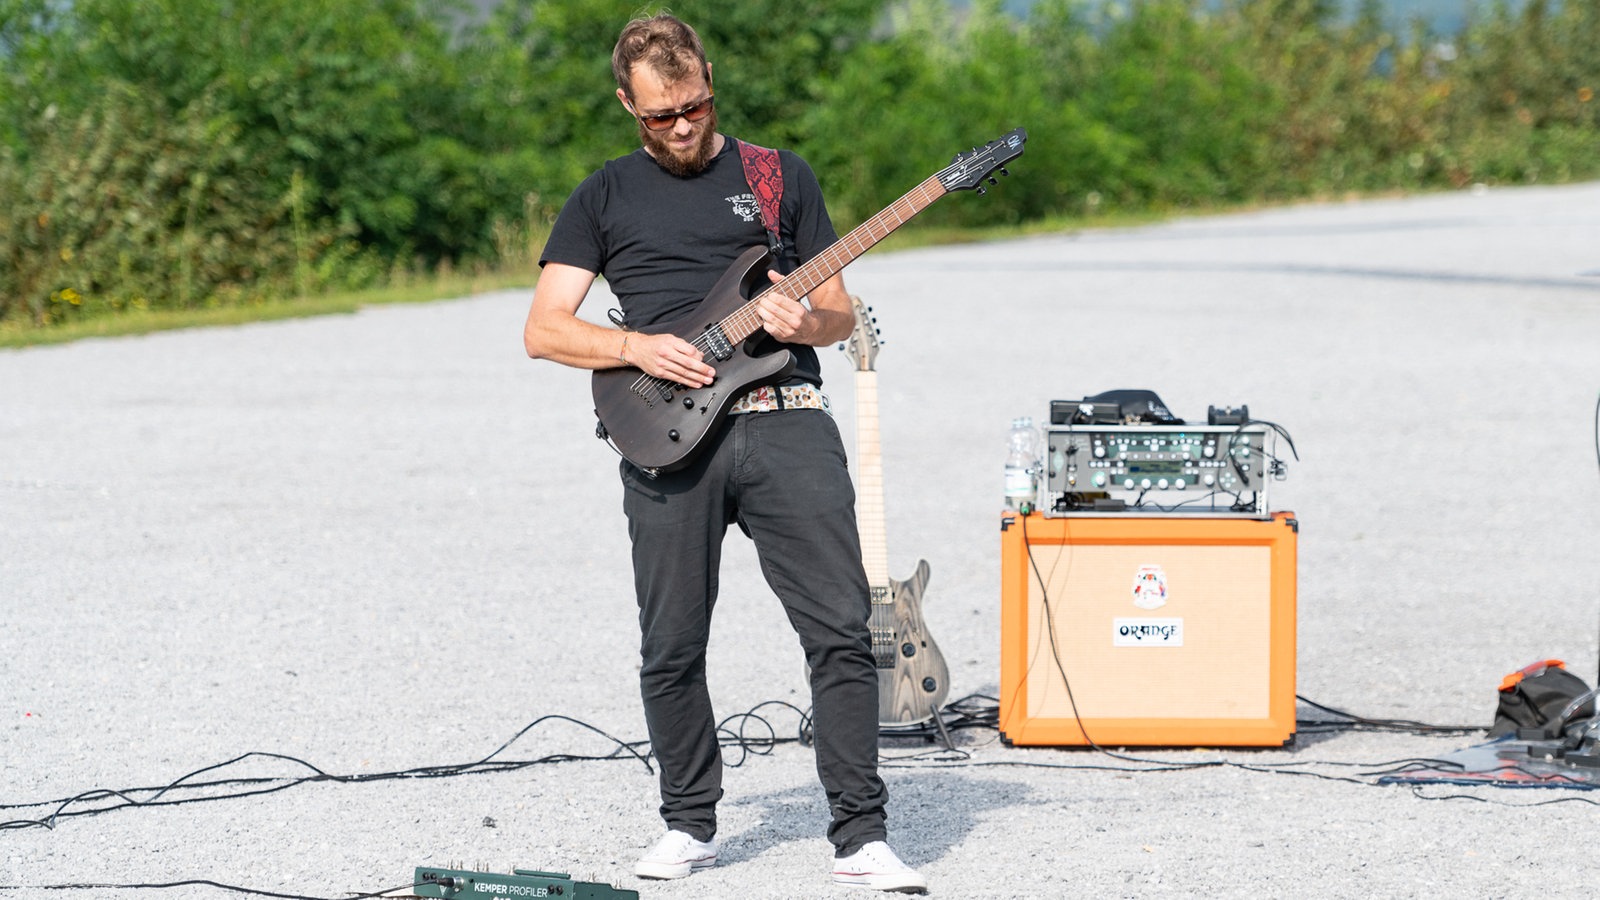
1022,466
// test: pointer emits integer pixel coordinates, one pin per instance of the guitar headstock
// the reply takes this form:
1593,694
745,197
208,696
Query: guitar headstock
971,169
863,343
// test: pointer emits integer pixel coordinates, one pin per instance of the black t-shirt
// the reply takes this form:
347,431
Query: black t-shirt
662,241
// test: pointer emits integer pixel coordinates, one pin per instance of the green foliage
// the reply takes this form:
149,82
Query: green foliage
549,65
186,154
1184,92
128,206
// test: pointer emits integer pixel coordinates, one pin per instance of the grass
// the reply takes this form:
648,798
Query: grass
438,287
522,275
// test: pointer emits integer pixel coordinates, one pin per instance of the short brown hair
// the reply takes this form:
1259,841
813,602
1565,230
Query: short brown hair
664,43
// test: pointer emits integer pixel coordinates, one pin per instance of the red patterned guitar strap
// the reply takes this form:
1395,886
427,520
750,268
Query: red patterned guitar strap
765,177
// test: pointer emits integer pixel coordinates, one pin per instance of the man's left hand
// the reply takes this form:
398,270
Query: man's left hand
783,317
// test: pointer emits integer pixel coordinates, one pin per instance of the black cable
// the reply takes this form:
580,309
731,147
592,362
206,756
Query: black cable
193,882
130,797
1416,791
1404,725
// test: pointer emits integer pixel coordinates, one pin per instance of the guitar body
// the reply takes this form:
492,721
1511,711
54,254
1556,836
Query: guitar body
914,687
662,425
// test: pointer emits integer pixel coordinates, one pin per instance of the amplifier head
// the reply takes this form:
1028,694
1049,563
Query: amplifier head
1156,469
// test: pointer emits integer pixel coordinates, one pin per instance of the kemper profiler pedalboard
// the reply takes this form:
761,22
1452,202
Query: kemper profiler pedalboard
1148,469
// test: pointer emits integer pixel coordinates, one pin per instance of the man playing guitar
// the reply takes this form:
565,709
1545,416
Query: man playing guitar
662,224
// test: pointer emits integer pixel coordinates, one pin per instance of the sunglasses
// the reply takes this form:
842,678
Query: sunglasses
694,112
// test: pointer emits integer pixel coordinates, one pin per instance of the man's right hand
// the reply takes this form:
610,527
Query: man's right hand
669,356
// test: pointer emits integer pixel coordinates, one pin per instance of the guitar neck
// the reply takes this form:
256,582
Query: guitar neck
869,481
830,262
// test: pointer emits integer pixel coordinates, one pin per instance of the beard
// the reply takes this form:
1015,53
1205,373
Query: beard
686,163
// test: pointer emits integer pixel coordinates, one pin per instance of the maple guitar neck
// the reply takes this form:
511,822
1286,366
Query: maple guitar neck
869,482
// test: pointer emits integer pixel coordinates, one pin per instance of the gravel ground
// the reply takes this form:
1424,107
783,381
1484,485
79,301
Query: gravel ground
386,540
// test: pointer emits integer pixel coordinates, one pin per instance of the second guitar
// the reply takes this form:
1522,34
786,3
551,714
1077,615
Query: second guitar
913,679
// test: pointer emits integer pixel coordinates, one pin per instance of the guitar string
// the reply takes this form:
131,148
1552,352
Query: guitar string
923,192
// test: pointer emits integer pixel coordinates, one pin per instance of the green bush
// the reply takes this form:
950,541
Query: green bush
131,206
186,153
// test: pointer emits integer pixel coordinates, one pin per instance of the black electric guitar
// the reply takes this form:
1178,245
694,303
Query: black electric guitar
660,425
913,678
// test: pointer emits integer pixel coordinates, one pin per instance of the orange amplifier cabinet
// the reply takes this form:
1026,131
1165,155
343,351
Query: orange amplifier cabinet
1176,631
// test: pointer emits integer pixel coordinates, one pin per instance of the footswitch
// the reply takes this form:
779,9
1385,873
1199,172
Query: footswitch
522,883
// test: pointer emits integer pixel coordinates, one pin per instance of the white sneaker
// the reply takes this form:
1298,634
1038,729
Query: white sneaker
875,866
676,855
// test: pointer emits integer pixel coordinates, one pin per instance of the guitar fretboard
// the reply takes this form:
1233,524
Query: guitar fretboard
743,322
869,481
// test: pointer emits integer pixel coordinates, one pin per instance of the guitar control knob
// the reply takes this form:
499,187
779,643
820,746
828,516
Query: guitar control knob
672,435
929,684
688,403
908,649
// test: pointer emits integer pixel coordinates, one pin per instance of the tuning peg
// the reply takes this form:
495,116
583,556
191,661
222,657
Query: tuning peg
983,190
1004,171
992,180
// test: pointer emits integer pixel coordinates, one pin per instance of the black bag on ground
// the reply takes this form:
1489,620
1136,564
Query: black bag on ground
1532,698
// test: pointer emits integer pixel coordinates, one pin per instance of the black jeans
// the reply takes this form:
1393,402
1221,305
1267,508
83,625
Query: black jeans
782,477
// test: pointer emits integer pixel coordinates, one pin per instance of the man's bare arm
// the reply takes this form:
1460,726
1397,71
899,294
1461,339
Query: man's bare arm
554,332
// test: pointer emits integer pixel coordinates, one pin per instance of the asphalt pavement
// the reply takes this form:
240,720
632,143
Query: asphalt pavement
386,542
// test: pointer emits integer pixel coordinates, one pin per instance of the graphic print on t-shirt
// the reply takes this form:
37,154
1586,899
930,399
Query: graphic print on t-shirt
745,206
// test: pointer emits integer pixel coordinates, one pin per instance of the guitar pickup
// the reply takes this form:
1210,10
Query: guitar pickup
717,343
